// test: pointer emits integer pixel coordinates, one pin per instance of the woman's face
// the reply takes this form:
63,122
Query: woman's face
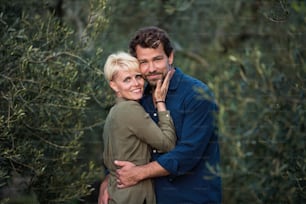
128,85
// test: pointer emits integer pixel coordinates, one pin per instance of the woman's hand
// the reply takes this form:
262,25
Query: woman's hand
103,194
161,89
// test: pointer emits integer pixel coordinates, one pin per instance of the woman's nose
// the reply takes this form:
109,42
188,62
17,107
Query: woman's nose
135,82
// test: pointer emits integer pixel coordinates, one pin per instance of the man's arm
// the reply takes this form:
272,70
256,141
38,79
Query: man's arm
128,174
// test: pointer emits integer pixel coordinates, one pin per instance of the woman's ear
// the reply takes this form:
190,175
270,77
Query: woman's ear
113,85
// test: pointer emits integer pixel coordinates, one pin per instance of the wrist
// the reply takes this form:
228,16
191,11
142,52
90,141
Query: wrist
142,173
159,101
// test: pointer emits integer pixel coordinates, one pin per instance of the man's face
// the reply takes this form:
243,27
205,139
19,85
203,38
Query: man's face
154,63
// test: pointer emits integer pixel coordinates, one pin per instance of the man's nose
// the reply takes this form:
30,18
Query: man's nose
151,67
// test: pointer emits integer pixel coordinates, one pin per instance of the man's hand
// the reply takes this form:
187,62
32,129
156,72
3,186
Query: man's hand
127,174
103,193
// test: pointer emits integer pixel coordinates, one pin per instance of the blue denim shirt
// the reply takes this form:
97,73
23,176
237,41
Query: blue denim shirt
194,161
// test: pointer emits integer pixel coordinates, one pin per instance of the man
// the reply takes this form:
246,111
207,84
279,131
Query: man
188,173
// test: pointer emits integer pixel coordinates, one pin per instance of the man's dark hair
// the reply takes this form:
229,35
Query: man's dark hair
150,37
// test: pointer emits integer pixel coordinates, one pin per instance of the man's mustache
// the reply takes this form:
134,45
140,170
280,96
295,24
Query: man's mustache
153,73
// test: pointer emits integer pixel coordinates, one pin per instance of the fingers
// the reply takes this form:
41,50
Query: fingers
169,74
124,174
159,84
119,184
122,185
120,163
159,92
168,78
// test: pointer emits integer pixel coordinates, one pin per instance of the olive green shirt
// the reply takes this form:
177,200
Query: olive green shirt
129,134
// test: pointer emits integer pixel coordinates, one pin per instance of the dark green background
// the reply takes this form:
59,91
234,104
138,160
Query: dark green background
54,99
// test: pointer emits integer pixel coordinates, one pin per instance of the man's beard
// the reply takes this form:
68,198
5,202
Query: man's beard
153,82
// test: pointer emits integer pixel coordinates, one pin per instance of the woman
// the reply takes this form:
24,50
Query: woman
129,132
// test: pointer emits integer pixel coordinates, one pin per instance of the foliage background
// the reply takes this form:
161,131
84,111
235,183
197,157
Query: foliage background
53,98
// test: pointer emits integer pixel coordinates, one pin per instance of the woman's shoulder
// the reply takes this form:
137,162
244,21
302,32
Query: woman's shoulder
128,106
128,103
128,111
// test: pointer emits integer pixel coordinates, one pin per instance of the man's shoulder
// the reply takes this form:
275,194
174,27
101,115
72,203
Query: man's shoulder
194,90
192,84
188,78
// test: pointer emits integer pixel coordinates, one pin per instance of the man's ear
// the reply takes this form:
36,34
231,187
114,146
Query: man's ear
171,57
113,85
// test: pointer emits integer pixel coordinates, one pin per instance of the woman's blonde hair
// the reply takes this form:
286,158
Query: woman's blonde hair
119,61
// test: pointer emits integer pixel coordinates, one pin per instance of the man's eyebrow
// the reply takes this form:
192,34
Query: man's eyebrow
158,56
